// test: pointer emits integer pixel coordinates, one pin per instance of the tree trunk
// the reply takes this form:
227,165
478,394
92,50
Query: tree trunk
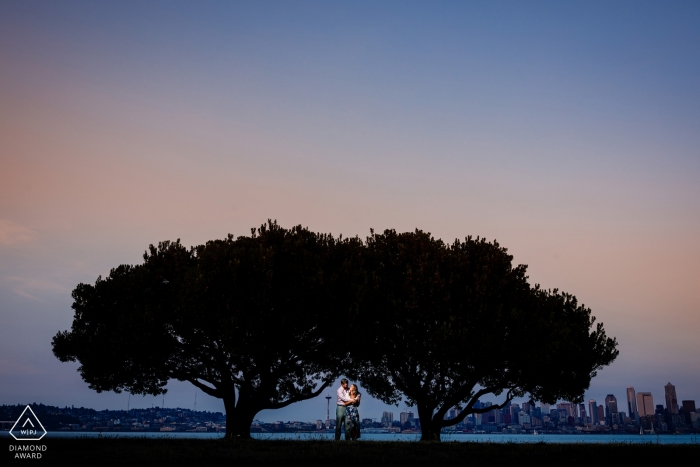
238,419
430,429
230,408
241,427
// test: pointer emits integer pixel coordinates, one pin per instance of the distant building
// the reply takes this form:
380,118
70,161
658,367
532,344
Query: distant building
671,399
695,420
497,416
601,414
688,407
645,404
514,410
593,410
387,419
523,418
406,417
610,408
562,414
567,408
611,403
631,402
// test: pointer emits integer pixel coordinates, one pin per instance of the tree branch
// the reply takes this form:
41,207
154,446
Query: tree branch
469,409
214,392
457,397
508,400
183,376
298,398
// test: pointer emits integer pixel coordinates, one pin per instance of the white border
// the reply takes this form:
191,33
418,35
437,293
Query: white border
20,418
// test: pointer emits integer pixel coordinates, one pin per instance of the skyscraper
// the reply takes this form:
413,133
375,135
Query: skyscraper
523,418
568,407
593,409
387,419
671,399
601,414
611,403
645,404
631,402
574,410
688,406
497,416
514,409
610,407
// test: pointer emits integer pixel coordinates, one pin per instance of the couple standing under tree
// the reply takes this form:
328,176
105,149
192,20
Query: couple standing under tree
346,411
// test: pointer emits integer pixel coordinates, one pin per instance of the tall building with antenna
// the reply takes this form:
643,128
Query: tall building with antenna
328,411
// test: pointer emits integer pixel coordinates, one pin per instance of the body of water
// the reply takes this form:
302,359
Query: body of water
471,438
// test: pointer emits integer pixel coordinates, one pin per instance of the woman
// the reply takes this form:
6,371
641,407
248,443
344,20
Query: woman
352,415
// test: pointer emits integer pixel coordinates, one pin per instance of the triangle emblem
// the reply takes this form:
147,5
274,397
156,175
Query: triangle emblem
28,427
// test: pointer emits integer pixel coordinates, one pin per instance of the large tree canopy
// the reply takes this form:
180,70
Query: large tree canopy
249,320
448,324
271,319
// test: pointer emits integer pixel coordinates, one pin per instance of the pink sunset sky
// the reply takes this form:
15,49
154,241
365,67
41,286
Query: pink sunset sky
569,133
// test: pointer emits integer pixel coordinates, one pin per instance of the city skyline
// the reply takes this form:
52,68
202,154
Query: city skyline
610,405
567,132
308,410
523,413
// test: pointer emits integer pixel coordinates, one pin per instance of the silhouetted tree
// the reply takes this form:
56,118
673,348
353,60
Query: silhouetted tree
252,320
448,324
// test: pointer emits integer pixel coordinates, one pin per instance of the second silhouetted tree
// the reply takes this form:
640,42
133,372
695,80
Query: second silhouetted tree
447,324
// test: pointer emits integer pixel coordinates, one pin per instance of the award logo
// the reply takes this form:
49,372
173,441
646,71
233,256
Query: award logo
28,427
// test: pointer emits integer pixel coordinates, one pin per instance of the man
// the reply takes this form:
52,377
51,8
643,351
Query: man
343,398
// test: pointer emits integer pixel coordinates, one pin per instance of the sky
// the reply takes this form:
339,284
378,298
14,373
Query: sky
567,131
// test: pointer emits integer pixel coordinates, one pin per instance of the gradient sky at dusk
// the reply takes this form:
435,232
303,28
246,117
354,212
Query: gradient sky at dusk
568,131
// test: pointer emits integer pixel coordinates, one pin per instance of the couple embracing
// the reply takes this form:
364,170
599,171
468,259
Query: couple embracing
346,411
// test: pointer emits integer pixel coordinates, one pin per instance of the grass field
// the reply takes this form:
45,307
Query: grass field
144,451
